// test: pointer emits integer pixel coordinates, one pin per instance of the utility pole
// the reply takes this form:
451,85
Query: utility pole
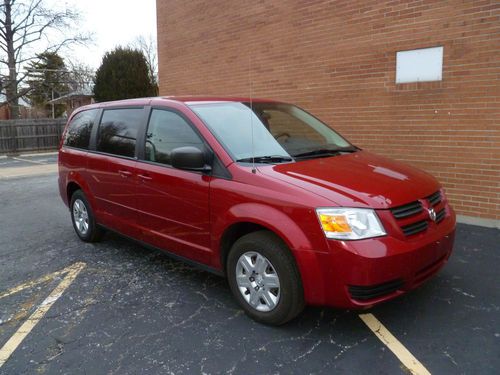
53,106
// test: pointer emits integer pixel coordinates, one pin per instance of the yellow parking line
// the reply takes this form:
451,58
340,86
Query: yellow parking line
403,354
31,284
23,331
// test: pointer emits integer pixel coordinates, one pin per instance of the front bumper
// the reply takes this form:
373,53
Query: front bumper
360,274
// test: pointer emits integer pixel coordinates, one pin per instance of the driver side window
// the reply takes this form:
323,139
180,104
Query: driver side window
284,126
166,131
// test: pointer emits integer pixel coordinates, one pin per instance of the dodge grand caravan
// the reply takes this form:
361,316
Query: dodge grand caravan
259,191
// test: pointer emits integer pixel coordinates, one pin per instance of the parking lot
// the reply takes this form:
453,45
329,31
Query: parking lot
129,310
27,165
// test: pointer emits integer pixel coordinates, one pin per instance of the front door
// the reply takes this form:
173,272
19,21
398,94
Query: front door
173,204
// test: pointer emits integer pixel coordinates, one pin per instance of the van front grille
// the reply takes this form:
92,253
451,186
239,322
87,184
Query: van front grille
407,210
415,228
440,215
428,270
363,293
434,199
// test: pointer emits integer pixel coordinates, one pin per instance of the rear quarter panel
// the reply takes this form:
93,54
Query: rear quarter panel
72,168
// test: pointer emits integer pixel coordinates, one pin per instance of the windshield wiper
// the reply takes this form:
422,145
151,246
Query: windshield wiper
271,159
322,152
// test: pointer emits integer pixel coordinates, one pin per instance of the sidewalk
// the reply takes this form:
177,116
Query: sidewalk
28,165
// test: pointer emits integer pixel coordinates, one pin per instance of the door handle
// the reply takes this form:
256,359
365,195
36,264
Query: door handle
145,177
124,173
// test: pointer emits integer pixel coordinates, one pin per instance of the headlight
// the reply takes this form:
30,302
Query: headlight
350,223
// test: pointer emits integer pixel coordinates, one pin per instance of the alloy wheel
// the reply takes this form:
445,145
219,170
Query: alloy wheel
258,281
80,217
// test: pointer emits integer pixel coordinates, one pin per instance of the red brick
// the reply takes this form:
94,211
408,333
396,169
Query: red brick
337,60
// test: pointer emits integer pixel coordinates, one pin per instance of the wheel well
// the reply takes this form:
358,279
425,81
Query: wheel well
232,234
72,187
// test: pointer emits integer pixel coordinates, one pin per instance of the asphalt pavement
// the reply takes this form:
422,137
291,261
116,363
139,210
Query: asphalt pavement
130,310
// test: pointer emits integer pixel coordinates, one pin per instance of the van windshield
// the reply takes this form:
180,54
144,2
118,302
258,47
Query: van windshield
269,132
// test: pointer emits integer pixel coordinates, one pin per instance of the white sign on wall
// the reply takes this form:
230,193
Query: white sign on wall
419,65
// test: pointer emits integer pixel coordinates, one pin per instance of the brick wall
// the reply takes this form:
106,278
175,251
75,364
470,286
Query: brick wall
337,60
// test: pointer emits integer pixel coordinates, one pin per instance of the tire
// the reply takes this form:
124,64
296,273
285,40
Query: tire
264,278
83,218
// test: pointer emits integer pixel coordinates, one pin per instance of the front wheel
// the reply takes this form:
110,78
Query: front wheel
83,218
264,278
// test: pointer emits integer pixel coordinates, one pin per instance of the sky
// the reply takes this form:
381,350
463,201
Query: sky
113,23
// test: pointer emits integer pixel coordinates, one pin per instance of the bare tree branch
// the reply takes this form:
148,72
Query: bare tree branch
149,49
29,14
27,23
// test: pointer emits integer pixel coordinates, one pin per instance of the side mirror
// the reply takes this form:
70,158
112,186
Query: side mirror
189,158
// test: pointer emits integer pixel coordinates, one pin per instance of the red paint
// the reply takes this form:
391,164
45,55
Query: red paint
187,213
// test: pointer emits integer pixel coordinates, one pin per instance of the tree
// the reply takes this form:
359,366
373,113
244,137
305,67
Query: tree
81,76
24,24
123,74
47,80
149,48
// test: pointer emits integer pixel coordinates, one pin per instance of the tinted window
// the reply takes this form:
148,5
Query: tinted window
234,125
166,131
79,129
277,129
118,131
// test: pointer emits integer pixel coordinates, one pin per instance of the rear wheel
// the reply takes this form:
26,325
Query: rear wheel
83,218
264,278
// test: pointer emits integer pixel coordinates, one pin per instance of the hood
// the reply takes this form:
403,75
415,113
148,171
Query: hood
359,179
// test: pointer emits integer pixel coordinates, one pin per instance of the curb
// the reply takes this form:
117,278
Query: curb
40,154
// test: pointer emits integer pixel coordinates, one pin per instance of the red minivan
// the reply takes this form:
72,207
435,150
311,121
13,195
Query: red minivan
259,191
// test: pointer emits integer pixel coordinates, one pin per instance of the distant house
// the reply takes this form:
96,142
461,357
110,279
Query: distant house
24,108
4,108
4,111
75,99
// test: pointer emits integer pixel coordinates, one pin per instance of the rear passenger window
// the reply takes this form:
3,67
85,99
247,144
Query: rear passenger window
168,130
118,131
79,129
